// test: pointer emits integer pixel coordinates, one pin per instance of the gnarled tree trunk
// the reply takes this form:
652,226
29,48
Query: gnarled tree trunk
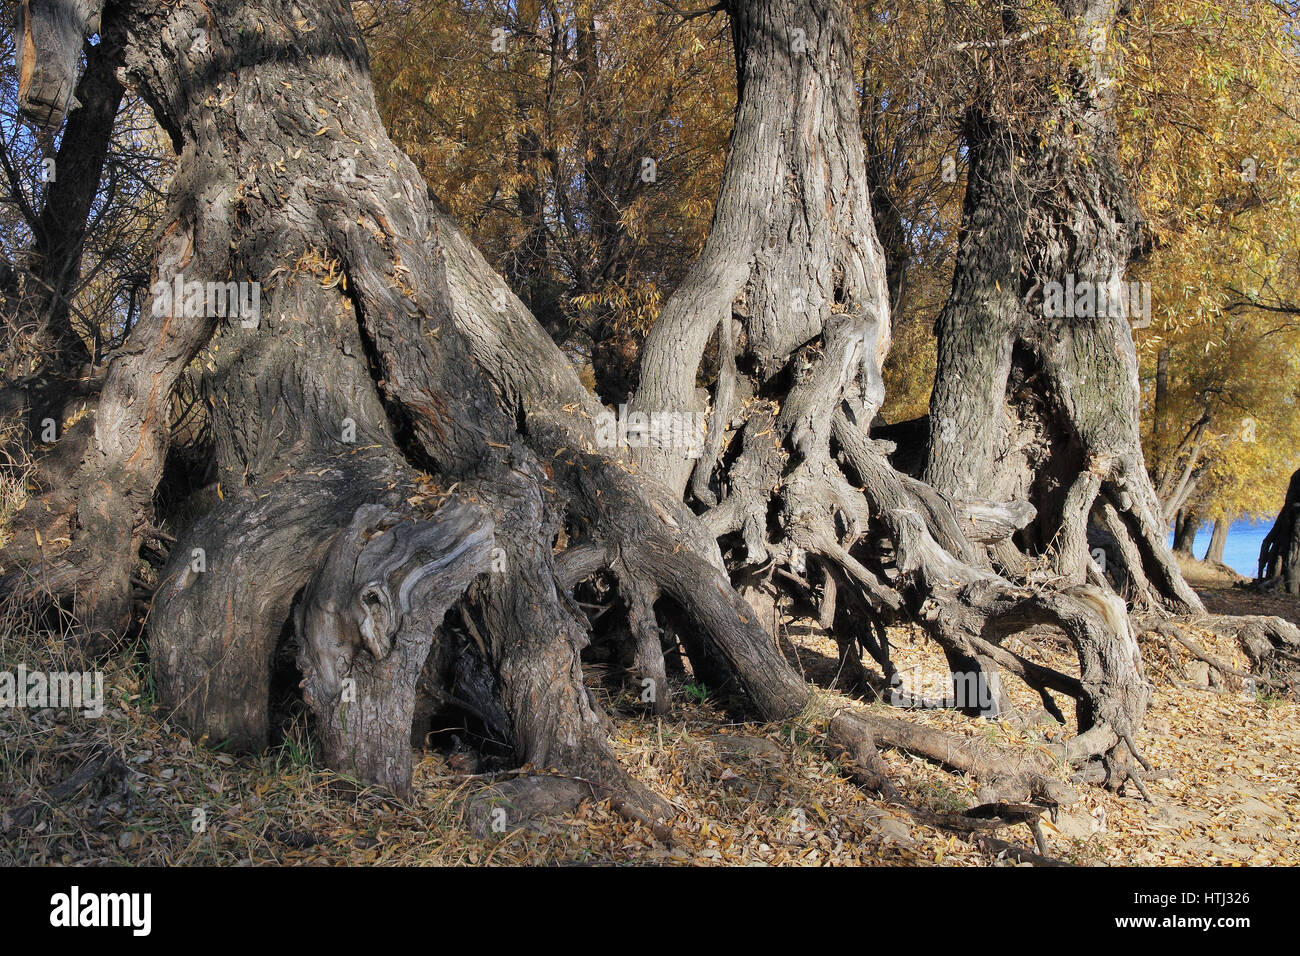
793,284
390,402
1036,394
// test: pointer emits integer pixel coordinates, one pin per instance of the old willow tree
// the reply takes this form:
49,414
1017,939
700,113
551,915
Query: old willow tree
1034,342
411,480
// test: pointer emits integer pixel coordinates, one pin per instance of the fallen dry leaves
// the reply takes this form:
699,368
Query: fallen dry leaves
745,794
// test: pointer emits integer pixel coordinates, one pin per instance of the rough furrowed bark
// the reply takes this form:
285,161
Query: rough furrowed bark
532,634
286,177
969,426
79,533
228,589
792,237
301,439
387,347
1037,369
218,230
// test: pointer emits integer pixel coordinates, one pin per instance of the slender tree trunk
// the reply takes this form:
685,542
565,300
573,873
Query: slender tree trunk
61,231
1218,540
1162,395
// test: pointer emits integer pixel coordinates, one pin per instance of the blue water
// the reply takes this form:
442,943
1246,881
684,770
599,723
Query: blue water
1241,552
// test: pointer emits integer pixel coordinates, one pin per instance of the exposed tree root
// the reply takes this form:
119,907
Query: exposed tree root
391,351
1271,644
367,621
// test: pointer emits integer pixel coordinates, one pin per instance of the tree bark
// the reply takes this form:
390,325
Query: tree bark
1025,378
1279,555
794,286
1218,541
970,428
390,400
61,230
1186,524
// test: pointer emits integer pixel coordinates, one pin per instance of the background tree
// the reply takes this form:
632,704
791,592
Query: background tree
1218,185
77,207
613,118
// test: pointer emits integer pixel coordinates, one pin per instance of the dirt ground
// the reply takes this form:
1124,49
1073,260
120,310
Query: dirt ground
746,794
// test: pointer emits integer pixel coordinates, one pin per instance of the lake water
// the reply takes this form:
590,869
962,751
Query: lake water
1241,552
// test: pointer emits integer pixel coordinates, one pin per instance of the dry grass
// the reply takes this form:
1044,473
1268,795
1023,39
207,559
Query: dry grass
15,469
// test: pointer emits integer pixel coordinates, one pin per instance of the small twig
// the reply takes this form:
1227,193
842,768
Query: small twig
1142,788
1146,764
995,846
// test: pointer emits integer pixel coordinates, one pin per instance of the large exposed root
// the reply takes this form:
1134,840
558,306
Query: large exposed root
366,623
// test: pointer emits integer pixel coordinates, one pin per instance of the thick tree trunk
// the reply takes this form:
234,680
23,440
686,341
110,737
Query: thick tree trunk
391,405
793,283
1186,524
971,435
1037,371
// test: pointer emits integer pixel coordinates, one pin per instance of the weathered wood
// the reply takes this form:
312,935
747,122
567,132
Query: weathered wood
59,385
383,353
989,522
366,622
49,38
1032,404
